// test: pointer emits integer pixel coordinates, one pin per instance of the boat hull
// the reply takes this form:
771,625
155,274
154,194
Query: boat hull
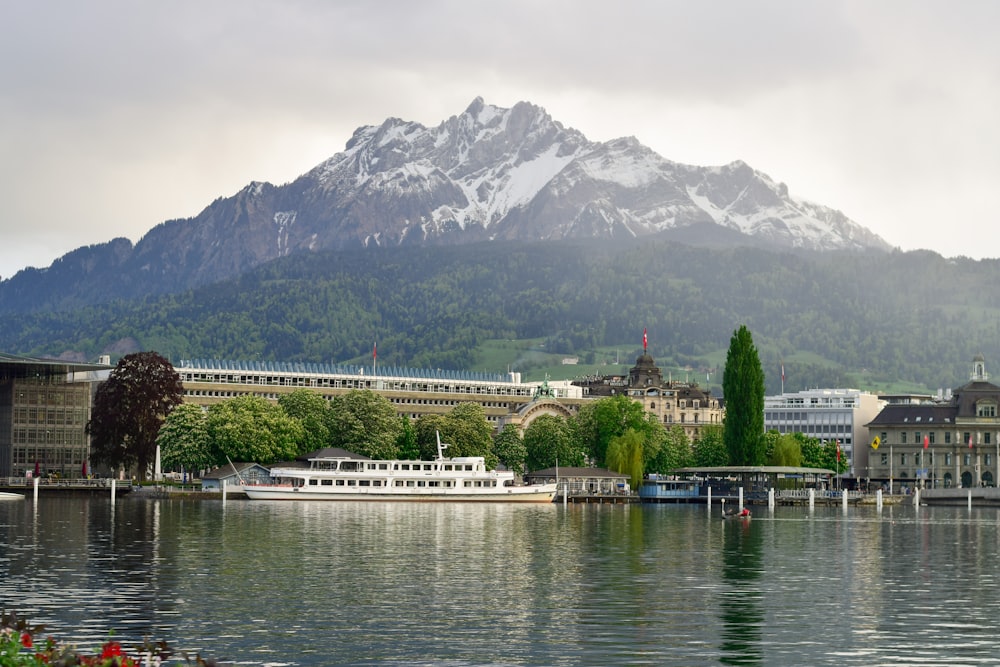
543,493
11,496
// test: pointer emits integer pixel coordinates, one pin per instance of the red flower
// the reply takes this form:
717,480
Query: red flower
112,650
26,640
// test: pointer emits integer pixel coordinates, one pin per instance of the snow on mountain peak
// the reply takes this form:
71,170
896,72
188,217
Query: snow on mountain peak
521,174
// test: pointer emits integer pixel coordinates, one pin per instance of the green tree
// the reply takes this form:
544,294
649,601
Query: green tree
183,439
313,412
549,442
509,448
406,443
469,433
743,388
428,427
249,428
625,456
709,450
364,422
787,452
129,408
673,454
812,451
606,418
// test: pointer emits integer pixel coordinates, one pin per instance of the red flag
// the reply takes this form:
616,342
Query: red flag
782,371
970,441
375,350
644,339
926,442
837,442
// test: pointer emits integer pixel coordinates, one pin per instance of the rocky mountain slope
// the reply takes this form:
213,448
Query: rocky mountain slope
487,174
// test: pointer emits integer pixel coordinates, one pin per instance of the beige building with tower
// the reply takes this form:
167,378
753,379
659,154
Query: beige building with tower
940,443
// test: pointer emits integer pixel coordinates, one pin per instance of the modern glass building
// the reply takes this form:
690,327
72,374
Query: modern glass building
44,409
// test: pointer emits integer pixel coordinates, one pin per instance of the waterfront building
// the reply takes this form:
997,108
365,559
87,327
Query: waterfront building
829,415
940,443
673,402
413,392
44,409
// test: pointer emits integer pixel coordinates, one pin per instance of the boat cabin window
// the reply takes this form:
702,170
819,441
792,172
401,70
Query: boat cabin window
383,466
313,482
326,482
340,482
364,482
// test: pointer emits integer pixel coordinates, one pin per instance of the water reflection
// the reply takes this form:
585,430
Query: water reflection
742,614
462,585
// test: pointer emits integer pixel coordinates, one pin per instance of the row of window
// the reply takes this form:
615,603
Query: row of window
64,416
927,459
445,402
357,383
840,417
932,437
54,396
406,483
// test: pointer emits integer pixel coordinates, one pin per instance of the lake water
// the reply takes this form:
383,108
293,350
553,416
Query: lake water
313,583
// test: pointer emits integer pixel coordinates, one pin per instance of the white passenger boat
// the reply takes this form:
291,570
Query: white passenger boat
463,478
11,496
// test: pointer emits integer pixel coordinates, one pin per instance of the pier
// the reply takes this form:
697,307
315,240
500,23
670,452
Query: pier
47,486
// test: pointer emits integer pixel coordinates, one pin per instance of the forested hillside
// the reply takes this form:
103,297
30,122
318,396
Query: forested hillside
914,317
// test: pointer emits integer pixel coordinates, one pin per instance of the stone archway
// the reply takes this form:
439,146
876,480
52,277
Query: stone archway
532,411
948,481
967,480
988,479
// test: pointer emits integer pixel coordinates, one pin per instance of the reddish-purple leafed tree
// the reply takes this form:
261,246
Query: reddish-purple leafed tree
129,409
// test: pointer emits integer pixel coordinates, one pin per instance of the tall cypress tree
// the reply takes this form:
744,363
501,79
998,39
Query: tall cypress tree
743,389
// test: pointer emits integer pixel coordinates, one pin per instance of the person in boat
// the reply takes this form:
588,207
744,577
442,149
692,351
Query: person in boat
733,514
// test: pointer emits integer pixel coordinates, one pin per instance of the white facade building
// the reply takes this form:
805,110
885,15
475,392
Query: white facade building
828,415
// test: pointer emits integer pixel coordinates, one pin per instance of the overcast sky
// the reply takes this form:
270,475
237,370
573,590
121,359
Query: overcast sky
116,116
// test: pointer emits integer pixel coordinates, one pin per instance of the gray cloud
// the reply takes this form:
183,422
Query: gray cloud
117,115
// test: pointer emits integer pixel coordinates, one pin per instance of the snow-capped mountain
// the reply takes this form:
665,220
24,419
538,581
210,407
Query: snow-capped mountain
493,173
488,173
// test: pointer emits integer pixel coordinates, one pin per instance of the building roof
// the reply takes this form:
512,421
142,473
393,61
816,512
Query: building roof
930,415
311,368
12,365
